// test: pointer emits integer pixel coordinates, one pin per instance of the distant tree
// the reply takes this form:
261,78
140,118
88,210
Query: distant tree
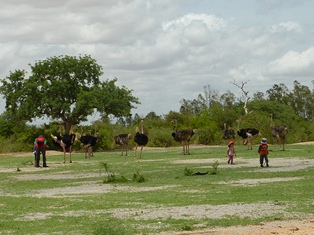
227,100
6,125
65,88
136,118
152,116
303,101
279,93
258,96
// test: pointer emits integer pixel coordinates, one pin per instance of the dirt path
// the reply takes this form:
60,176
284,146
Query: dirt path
305,227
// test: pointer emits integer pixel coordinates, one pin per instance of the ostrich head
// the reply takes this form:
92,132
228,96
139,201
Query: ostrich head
137,130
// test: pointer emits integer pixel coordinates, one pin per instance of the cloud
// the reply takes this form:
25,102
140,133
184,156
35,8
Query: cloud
165,50
292,63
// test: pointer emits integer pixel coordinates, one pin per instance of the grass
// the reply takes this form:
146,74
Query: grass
113,194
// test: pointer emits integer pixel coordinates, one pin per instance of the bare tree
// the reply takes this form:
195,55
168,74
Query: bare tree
246,94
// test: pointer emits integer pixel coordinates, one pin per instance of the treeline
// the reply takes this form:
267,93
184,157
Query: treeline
208,113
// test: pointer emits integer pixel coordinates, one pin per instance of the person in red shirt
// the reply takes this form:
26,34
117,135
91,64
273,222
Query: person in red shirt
263,152
40,145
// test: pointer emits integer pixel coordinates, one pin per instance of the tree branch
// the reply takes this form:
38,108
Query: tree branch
246,93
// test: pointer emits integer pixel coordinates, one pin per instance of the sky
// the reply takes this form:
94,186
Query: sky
166,51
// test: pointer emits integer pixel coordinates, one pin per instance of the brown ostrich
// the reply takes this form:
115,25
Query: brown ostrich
123,141
279,132
140,139
228,133
184,137
88,142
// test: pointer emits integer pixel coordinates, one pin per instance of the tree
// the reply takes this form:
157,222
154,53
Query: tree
65,88
303,100
245,93
279,93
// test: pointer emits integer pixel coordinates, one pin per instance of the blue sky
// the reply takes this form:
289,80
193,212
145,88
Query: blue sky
167,50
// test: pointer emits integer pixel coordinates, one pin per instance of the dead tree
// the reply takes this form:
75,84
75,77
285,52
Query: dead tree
246,94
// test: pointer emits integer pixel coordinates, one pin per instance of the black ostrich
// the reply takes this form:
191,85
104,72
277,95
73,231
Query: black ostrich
140,139
88,142
184,137
247,136
123,141
65,142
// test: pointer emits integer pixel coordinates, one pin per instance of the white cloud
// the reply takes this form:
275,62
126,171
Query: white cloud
165,50
293,63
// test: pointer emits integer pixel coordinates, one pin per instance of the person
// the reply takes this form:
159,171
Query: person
40,145
231,153
263,152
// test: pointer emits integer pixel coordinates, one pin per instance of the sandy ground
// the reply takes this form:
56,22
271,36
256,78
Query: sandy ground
305,227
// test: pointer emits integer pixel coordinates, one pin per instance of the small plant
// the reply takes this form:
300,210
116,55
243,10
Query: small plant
111,177
138,177
110,229
103,165
214,169
188,172
186,227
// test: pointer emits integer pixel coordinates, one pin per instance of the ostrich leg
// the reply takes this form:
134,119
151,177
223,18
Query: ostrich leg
70,154
141,152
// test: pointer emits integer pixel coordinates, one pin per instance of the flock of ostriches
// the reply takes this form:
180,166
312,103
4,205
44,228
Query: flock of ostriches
182,136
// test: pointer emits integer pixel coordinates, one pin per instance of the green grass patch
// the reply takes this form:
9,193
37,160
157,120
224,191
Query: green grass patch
113,194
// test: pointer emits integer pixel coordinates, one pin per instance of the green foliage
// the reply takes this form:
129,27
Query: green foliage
65,88
207,113
111,228
207,135
188,172
214,169
137,177
187,227
161,138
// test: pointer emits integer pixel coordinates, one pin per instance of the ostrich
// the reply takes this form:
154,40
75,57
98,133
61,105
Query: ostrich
65,142
228,133
247,135
123,140
88,142
279,132
140,139
184,137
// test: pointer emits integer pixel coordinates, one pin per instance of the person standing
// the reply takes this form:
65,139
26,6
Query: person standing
41,145
231,153
263,152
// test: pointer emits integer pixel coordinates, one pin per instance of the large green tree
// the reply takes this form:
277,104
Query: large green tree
67,89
